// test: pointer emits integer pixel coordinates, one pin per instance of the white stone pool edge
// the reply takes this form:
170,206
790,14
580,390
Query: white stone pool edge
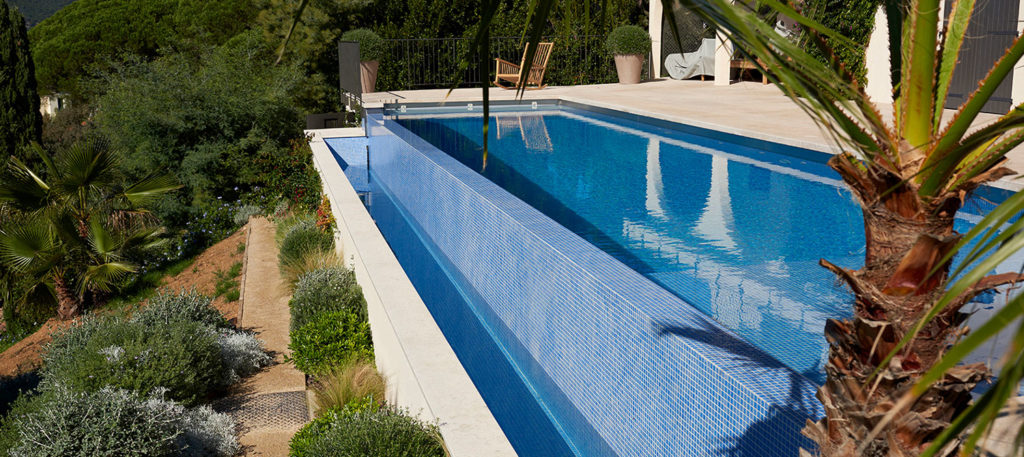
422,371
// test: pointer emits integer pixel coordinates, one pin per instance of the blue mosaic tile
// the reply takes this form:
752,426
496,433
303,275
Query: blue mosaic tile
351,155
620,365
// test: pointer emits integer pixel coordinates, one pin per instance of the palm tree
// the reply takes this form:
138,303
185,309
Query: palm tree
910,177
79,226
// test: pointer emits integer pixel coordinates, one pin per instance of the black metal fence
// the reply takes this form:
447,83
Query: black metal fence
421,63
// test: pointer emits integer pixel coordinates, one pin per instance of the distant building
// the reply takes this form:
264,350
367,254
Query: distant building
49,105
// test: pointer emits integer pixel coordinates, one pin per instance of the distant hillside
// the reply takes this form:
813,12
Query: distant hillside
37,10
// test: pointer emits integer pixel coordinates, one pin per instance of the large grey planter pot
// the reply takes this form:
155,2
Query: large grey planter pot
629,67
368,75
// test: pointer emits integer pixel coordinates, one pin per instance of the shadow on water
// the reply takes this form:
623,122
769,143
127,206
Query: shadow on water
779,430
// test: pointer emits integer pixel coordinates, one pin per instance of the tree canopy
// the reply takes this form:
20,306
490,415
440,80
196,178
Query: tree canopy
20,121
200,119
87,35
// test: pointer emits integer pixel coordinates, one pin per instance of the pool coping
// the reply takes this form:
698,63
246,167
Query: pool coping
422,370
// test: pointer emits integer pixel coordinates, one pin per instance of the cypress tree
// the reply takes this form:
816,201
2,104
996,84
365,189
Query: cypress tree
20,119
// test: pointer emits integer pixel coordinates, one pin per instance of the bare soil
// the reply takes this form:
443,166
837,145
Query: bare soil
26,354
202,274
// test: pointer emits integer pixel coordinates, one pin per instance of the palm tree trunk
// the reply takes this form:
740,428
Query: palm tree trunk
69,306
905,241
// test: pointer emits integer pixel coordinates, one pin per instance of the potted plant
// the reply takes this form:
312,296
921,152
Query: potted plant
371,49
629,44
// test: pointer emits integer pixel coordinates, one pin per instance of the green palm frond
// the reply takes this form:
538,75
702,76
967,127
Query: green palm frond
982,414
45,157
996,238
917,104
102,241
945,156
85,167
955,32
104,276
145,238
25,246
150,188
21,188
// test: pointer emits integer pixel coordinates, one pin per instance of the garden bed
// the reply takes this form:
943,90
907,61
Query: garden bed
25,355
331,342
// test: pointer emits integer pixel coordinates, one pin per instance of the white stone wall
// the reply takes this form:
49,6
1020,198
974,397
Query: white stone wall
654,23
876,59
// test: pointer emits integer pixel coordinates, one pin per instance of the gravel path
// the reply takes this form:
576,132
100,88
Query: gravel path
270,406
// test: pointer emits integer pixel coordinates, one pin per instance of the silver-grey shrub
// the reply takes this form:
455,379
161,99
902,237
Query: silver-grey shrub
244,212
325,290
243,355
116,422
105,422
203,431
189,306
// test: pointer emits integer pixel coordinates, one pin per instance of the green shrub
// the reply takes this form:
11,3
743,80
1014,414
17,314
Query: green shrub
384,432
205,433
330,340
628,40
371,46
186,306
182,357
10,423
305,437
310,261
326,290
66,344
64,423
222,120
354,381
303,238
285,220
854,19
318,427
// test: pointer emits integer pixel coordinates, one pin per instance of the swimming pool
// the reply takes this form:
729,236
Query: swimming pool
735,231
602,350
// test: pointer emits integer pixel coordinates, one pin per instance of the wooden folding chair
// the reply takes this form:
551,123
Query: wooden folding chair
509,72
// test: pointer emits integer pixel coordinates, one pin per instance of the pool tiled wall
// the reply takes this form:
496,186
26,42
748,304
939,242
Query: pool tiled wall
621,366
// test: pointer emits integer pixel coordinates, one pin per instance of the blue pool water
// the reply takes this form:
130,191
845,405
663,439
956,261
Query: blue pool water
735,231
